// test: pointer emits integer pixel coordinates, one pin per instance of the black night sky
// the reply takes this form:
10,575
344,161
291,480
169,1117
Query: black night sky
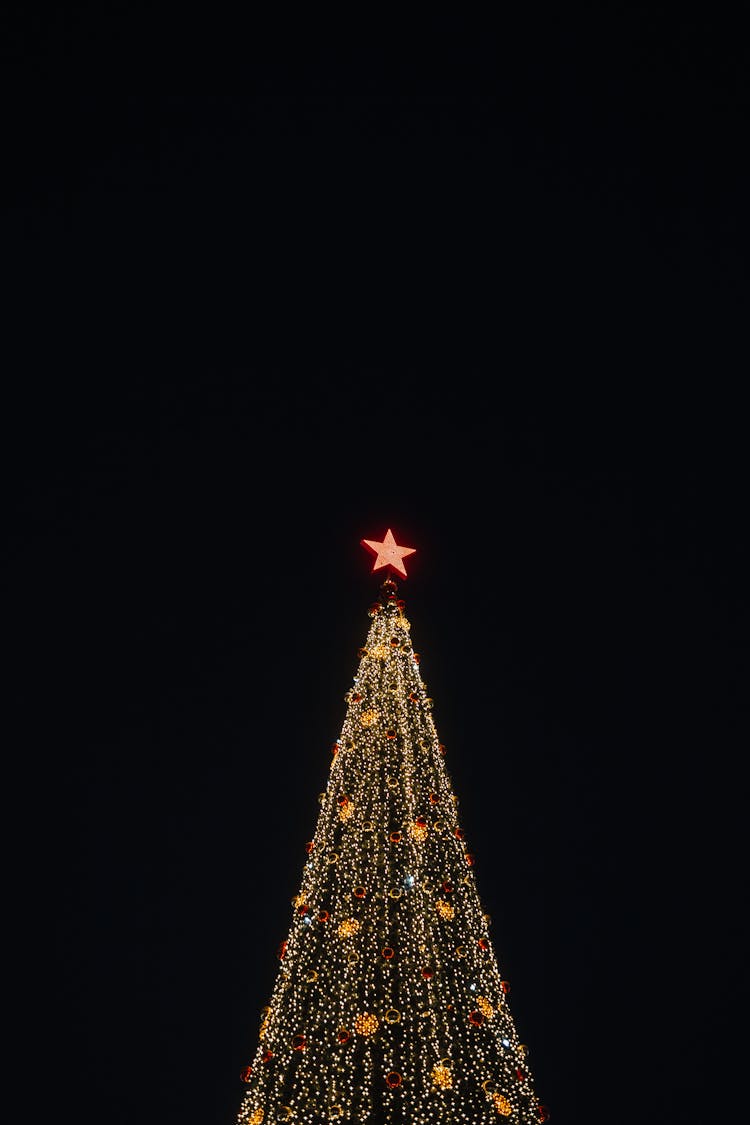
484,286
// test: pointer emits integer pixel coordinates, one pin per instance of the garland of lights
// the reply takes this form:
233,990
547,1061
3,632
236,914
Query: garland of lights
389,1003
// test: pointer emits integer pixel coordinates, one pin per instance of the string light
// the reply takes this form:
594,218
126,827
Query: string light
363,1005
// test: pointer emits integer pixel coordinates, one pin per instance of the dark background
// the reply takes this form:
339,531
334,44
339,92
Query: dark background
484,285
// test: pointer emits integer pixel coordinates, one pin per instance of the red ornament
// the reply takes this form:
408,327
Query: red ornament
393,1080
266,1056
421,822
374,609
476,1018
282,950
544,1114
359,892
434,799
483,944
334,749
442,749
401,604
246,1074
520,1074
448,888
356,698
459,833
388,553
415,657
413,697
387,952
323,916
309,846
303,909
395,837
299,1042
470,860
505,986
390,733
428,974
394,642
344,1036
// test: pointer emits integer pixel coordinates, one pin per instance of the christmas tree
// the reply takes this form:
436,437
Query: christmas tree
389,1004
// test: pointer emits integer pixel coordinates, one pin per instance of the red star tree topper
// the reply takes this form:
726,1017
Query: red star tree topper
388,553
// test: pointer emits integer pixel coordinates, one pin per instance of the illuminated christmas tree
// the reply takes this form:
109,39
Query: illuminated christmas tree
389,1004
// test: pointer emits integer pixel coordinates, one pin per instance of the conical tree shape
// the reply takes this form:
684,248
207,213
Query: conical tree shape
389,1005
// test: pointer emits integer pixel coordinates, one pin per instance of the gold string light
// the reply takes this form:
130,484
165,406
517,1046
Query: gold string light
374,988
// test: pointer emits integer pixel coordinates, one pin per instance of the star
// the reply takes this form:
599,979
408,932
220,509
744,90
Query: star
388,553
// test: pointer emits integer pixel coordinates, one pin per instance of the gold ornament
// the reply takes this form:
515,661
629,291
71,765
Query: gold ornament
256,1116
442,1077
444,909
367,718
485,1007
348,928
366,1023
419,830
502,1105
346,809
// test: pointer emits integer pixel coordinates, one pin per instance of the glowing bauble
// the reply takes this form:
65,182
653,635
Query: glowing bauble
485,1007
502,1105
348,928
366,1023
442,1077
